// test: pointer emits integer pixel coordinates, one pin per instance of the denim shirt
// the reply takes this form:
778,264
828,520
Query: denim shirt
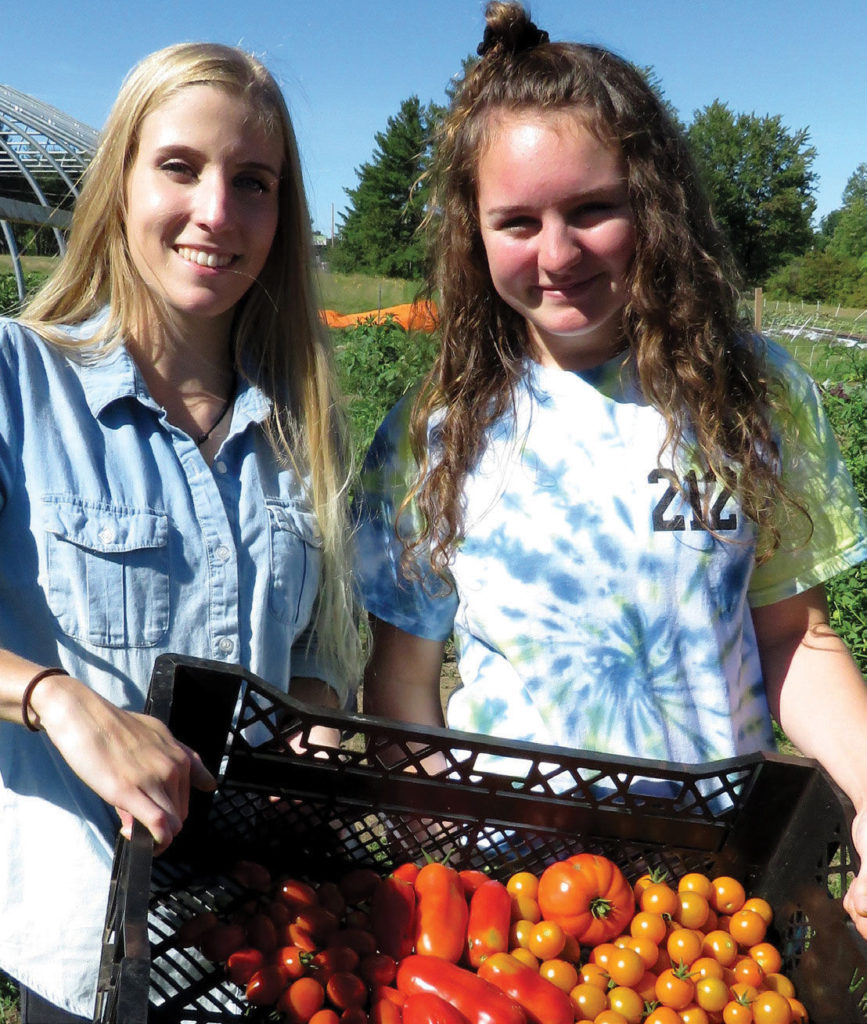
119,543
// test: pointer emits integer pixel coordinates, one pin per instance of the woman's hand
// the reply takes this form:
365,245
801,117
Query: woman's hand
130,760
855,900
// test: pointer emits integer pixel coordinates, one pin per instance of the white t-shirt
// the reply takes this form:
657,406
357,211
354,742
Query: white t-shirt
589,606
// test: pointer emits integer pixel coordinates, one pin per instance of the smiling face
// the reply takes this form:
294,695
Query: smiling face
202,204
558,233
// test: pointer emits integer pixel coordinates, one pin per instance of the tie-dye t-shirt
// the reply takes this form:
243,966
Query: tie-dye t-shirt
590,608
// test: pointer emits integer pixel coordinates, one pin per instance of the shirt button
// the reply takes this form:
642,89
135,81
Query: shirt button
220,466
226,645
107,534
223,554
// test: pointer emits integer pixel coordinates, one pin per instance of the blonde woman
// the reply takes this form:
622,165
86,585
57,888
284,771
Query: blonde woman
172,478
621,503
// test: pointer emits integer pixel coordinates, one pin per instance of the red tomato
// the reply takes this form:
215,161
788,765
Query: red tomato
429,1008
441,912
301,1000
266,986
377,969
346,990
471,879
392,916
359,884
488,921
588,896
542,1001
243,964
478,1000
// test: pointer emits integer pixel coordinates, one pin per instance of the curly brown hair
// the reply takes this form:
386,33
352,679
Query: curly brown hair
696,359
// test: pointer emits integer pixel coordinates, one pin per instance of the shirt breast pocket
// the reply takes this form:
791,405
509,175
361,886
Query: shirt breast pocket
108,572
296,556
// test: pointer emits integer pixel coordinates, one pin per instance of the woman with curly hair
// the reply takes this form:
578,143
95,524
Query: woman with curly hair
620,501
172,480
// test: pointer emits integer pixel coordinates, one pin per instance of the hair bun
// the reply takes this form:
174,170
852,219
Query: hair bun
509,30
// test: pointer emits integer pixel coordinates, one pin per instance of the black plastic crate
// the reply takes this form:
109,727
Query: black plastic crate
774,822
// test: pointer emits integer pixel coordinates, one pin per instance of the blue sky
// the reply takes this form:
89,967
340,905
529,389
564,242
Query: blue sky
345,66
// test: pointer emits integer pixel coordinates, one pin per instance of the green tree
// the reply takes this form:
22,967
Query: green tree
379,231
760,180
849,236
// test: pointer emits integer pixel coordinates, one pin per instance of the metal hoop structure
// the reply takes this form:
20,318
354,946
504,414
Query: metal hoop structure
38,143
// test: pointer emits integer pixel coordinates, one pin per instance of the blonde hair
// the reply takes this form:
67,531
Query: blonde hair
279,341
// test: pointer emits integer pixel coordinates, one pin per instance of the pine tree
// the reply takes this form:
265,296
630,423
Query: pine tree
378,234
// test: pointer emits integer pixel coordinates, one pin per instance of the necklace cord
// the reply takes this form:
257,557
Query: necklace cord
201,438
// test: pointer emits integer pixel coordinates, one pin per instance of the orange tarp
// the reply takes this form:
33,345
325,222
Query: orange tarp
412,316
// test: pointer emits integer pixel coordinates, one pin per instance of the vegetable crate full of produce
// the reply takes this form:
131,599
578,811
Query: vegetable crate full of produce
393,794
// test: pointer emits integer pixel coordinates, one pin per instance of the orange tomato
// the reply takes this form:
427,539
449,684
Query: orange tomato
610,1017
706,967
520,931
737,1013
749,971
663,1015
711,994
771,1008
761,907
799,1011
694,1014
768,956
523,883
647,950
695,881
588,1000
625,967
659,898
648,925
594,974
747,927
684,945
721,946
693,910
560,973
627,1001
525,956
728,894
674,988
546,940
777,982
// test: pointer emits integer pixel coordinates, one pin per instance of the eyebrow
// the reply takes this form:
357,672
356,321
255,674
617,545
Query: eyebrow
608,191
182,150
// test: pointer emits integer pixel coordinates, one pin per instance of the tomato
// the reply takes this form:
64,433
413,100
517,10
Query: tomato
525,956
392,916
441,912
353,1015
799,1011
222,941
777,982
706,967
194,929
429,1008
721,946
625,967
693,909
543,1002
559,972
251,875
243,964
771,1008
262,933
711,994
332,959
519,932
647,950
594,974
488,922
695,881
674,988
588,1000
648,925
525,907
294,959
345,990
767,956
610,1017
301,1000
747,927
728,894
646,986
359,884
546,940
747,970
377,969
326,1016
297,893
735,1012
477,999
684,945
523,883
761,907
471,879
318,922
588,896
361,940
628,1002
660,898
407,871
602,953
266,985
694,1014
384,1011
651,877
663,1015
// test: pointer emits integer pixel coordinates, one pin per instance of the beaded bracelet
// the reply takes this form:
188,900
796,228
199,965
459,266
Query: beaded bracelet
28,693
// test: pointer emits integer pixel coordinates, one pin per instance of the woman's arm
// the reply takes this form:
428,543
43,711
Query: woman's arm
818,695
130,760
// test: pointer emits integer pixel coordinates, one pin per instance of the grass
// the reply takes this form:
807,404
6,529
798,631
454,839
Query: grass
356,293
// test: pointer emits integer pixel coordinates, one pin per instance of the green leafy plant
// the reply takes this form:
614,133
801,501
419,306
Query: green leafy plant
379,363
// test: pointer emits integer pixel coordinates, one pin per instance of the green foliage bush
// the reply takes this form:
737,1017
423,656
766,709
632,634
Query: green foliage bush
846,404
378,364
9,301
